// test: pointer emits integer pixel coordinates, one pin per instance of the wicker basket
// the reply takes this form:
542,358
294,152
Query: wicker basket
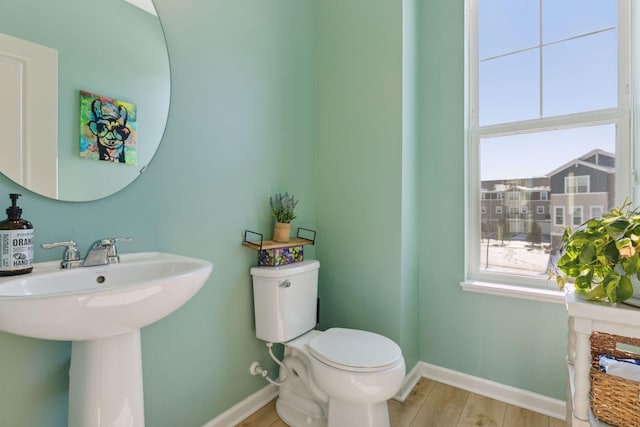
614,400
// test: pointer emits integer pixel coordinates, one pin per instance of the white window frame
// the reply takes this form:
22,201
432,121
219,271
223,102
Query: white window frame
544,195
621,116
524,209
483,209
540,210
498,209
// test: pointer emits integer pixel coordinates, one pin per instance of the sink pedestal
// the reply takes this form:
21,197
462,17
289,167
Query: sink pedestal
105,386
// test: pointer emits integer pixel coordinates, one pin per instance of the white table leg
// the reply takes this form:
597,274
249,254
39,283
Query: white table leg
581,381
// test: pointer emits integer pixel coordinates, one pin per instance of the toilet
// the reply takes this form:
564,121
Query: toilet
336,378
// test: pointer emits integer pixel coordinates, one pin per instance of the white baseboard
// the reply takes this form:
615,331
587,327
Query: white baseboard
410,381
243,409
522,398
515,396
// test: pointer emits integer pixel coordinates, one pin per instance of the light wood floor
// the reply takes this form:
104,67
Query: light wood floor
433,404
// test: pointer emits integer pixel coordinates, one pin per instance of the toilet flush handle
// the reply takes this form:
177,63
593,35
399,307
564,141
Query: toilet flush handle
285,284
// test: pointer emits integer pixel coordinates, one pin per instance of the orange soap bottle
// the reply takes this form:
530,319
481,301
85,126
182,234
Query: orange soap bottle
16,242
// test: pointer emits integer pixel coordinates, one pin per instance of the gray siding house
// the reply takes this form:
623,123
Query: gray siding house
581,189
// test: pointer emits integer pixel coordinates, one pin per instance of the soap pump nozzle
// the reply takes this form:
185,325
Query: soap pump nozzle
14,211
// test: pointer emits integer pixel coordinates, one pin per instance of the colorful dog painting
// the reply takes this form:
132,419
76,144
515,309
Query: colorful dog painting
107,129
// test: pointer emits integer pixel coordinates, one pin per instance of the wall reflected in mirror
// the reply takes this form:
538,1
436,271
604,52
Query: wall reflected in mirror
112,48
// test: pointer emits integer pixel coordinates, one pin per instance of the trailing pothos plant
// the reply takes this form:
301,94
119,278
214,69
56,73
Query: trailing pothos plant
603,255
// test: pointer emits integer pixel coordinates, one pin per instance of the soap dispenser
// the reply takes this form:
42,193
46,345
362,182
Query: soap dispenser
16,242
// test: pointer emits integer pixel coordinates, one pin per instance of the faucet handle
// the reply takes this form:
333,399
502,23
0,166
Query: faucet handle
113,250
70,253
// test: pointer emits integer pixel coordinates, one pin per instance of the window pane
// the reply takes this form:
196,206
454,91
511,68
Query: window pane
562,19
530,182
507,26
558,216
576,184
580,75
577,216
509,88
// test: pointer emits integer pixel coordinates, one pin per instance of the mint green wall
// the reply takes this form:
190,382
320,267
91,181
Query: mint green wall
241,127
377,147
360,179
410,186
511,341
311,97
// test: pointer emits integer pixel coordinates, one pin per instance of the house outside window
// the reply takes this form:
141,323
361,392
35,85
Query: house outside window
567,121
498,209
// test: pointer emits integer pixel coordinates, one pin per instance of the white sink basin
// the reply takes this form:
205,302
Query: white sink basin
101,310
86,303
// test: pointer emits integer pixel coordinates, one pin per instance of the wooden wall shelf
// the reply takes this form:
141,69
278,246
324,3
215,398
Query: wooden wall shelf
260,245
270,244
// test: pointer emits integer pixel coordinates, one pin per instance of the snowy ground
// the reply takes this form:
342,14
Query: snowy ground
515,256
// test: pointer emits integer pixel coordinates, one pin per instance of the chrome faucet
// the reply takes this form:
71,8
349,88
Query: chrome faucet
101,252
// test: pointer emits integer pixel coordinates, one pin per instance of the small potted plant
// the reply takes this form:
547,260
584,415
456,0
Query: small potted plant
282,206
602,257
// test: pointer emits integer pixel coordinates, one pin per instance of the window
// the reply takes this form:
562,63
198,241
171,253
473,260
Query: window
483,209
498,209
595,211
576,218
576,184
558,215
524,209
549,112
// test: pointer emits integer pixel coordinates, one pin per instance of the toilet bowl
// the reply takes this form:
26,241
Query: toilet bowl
336,378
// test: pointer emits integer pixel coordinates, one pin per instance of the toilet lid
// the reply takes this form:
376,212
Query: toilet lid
355,350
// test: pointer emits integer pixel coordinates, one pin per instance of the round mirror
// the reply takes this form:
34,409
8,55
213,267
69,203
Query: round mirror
85,86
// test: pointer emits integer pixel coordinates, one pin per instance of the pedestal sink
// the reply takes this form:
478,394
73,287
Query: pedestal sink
101,310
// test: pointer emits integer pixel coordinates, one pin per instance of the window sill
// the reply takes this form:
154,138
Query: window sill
521,292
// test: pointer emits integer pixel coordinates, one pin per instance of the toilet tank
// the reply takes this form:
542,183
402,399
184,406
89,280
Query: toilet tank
285,300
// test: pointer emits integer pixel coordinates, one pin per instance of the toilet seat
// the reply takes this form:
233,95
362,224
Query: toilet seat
355,350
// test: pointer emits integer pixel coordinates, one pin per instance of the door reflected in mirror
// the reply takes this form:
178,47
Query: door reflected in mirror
111,48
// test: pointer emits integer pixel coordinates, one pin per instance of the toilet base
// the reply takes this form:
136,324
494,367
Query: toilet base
294,416
362,415
296,404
